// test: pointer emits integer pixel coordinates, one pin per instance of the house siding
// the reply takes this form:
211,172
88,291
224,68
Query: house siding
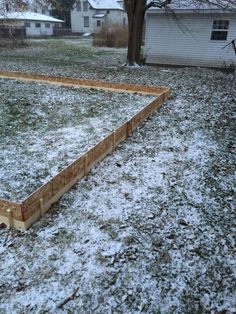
42,31
77,21
111,18
186,40
36,31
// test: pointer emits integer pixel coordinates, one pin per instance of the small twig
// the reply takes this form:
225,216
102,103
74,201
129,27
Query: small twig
68,299
7,236
233,43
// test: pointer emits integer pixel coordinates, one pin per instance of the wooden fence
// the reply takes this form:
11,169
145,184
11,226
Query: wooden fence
23,215
12,32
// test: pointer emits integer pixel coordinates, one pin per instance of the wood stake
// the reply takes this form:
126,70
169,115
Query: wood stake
130,129
10,218
86,164
41,207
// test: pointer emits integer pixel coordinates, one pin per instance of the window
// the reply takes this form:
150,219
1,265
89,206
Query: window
37,25
47,25
78,6
220,30
86,21
35,11
27,24
85,5
98,23
108,11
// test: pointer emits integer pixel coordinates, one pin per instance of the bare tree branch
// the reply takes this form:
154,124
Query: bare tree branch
158,4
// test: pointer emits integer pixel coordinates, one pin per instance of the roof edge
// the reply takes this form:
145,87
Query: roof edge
197,10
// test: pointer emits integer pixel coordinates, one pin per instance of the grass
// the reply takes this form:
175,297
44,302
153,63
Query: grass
161,206
54,53
58,122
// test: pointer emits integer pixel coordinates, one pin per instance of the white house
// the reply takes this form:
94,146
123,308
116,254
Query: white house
39,6
191,35
92,15
36,24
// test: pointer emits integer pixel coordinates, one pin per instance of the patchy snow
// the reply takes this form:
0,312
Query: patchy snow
30,16
44,128
105,4
152,228
197,6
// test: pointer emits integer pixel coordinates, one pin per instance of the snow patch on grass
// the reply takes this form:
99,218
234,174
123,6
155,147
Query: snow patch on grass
152,228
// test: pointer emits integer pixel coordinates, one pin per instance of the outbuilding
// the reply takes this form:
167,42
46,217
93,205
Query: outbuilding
191,35
35,24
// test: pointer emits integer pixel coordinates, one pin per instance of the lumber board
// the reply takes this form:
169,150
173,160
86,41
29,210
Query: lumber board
23,215
124,87
9,212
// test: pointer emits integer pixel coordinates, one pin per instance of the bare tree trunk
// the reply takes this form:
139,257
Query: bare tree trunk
135,12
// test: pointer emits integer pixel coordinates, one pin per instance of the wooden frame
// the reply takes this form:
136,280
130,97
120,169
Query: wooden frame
23,215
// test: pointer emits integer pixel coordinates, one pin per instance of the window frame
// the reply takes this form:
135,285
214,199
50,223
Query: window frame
86,21
27,24
78,6
220,30
85,6
37,25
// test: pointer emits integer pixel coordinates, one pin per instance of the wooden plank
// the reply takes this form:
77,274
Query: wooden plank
15,207
78,166
45,192
124,87
25,214
58,182
31,204
99,151
53,190
32,208
69,174
121,133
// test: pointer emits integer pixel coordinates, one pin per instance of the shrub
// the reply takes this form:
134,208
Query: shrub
11,43
114,36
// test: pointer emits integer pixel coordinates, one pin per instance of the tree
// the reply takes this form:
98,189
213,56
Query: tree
136,12
12,5
13,35
61,9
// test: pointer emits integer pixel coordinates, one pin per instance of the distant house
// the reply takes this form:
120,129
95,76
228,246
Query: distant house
92,15
38,6
35,24
190,35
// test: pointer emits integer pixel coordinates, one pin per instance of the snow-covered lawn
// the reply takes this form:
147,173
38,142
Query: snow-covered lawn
43,128
152,229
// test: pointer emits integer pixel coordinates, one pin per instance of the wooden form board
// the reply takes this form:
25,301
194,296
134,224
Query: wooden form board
23,215
75,82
